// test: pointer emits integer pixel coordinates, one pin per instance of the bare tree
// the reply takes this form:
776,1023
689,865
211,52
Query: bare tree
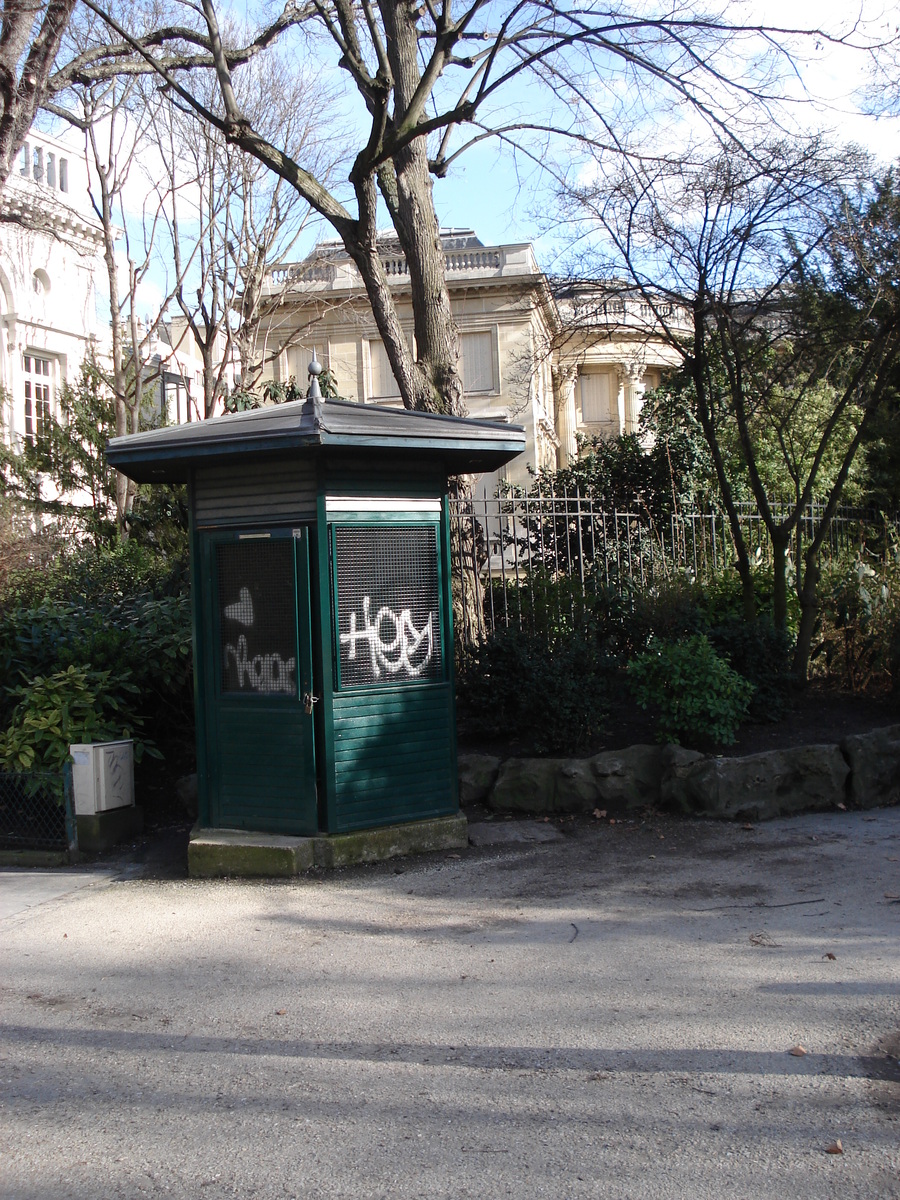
114,117
760,269
236,217
423,74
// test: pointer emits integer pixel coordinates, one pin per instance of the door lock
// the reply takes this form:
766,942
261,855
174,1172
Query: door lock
308,701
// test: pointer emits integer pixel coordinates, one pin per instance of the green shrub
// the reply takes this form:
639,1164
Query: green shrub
700,698
554,697
146,638
97,577
857,638
70,706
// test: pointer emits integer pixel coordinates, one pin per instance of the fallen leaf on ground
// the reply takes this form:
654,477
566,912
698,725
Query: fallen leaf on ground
748,826
280,1012
652,856
891,896
797,1051
842,807
612,820
599,812
835,1147
830,956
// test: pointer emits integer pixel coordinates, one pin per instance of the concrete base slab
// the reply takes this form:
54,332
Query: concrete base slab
391,841
213,853
502,833
36,858
103,830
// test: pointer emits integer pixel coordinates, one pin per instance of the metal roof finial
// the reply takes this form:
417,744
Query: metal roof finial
313,392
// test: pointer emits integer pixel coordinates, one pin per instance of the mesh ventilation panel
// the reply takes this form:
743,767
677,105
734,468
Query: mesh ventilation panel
257,617
388,604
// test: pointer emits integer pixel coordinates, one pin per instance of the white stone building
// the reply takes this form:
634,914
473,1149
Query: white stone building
565,365
50,254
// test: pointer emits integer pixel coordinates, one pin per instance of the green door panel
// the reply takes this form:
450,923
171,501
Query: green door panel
257,651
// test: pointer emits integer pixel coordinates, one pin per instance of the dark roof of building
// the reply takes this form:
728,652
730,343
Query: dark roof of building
165,455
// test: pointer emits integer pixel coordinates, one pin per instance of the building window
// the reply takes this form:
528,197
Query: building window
477,366
382,384
25,160
595,398
37,168
37,398
51,170
63,174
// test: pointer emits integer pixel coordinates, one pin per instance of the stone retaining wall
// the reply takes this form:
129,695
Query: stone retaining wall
861,772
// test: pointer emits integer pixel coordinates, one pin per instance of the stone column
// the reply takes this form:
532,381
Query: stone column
634,396
621,399
566,417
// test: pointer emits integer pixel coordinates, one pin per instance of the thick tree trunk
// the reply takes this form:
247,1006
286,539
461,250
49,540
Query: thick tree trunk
809,611
23,90
780,542
435,330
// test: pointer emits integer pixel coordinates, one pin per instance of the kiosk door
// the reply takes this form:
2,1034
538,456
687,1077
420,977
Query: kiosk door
260,750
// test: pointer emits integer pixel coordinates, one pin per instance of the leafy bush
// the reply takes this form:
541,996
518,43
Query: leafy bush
145,639
700,698
74,705
554,696
857,641
96,577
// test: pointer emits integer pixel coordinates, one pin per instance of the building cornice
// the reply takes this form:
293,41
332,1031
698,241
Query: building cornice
44,214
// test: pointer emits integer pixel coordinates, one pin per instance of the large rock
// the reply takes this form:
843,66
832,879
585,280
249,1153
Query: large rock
802,779
677,764
477,773
576,786
628,778
545,785
525,785
874,760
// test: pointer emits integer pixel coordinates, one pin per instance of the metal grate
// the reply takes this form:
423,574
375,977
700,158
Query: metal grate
388,604
257,617
35,812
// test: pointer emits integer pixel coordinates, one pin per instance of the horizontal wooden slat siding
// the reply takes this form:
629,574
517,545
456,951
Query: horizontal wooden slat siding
260,768
254,493
393,755
383,475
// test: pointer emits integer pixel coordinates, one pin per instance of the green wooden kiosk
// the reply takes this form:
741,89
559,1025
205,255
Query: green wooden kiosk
323,644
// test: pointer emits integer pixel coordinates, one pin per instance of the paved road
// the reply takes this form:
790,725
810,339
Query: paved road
21,889
605,1016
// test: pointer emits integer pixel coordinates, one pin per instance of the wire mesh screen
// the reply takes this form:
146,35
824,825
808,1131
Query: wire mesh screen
257,617
33,811
387,603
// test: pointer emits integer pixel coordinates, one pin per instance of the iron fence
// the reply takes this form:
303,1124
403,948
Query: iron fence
509,549
37,811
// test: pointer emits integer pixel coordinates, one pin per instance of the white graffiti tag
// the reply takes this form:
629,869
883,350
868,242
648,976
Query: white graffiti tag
403,643
264,672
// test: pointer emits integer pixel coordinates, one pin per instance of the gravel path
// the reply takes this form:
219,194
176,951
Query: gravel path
605,1016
